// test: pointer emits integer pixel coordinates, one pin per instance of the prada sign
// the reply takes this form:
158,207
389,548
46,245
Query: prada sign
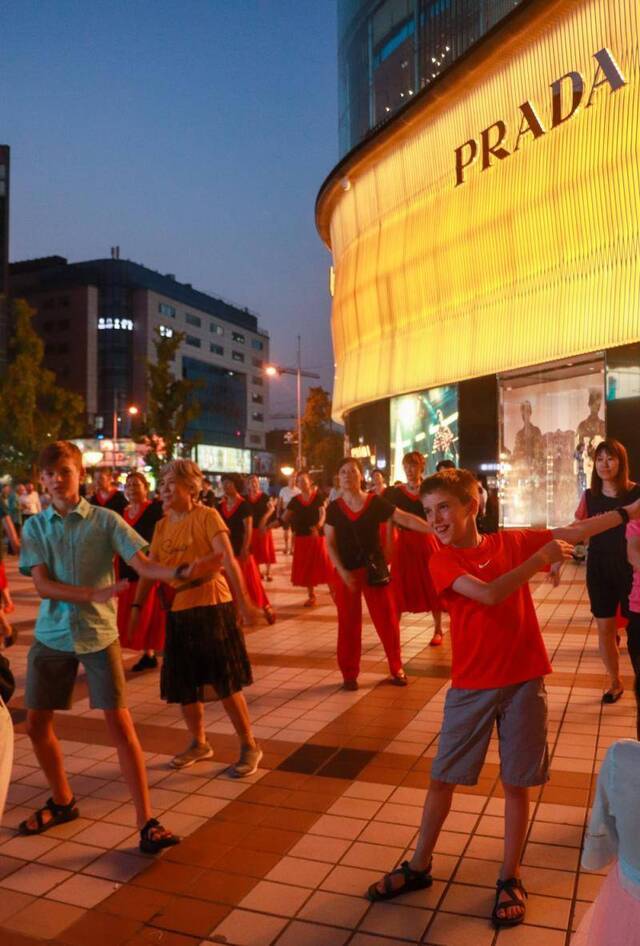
500,141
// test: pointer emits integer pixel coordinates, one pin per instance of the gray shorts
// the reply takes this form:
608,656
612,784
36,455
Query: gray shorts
520,712
51,675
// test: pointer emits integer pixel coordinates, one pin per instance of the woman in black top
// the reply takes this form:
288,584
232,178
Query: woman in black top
306,514
238,517
142,515
262,512
609,574
353,535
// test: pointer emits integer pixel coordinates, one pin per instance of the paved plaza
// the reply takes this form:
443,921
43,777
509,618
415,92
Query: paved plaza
285,857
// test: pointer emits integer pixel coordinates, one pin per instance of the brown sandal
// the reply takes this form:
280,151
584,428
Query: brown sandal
60,814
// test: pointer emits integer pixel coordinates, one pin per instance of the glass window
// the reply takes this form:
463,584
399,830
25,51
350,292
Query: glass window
237,356
428,422
165,331
257,398
192,340
255,438
216,349
194,320
257,416
257,362
552,419
165,309
216,329
257,381
238,337
257,344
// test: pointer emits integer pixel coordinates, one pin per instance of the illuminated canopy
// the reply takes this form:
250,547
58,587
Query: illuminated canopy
480,231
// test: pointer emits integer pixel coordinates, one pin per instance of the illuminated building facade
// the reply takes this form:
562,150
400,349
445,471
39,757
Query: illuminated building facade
4,249
485,252
98,320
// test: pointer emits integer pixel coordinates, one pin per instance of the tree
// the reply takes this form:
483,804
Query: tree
33,408
322,446
171,404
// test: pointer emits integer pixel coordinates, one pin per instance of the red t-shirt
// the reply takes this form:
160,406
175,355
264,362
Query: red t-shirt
497,645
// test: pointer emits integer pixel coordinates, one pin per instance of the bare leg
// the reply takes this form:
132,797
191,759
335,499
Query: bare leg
437,628
132,765
436,808
193,714
516,819
49,755
609,650
238,712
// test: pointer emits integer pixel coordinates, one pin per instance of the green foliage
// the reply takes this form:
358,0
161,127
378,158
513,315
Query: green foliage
33,408
322,446
171,404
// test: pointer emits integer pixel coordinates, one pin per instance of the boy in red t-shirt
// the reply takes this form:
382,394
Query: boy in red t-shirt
498,664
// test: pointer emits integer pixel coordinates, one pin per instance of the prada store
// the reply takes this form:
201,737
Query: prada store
486,270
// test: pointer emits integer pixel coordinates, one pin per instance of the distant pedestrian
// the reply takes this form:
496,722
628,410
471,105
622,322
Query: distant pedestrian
30,504
306,514
106,493
284,498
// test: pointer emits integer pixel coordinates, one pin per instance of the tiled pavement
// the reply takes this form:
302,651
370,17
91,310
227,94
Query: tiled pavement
284,858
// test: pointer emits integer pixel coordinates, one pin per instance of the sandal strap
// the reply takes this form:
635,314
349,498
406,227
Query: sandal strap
510,885
57,809
148,827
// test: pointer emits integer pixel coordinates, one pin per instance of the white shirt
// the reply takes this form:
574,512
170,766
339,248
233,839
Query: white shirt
614,826
30,503
286,494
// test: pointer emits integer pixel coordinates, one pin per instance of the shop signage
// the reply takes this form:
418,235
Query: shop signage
491,145
361,451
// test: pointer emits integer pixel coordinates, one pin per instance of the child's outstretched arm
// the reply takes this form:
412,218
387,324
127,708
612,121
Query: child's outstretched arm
48,587
493,592
586,528
409,521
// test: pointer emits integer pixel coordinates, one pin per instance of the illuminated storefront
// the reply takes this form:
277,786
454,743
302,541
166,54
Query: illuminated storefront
485,243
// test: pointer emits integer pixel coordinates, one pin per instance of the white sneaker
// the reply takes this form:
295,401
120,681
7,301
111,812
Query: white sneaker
248,762
195,753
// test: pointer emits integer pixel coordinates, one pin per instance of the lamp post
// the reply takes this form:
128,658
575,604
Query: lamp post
274,371
132,411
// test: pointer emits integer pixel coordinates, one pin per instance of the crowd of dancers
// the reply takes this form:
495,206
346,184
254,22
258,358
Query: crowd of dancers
187,569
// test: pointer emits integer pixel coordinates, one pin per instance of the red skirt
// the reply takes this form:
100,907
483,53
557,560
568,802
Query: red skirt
252,580
262,547
310,565
150,629
3,576
412,584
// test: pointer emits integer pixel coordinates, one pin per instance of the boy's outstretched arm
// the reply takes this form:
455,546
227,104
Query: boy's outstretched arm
48,587
493,592
586,528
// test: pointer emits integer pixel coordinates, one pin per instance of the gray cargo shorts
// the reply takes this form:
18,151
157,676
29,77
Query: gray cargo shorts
520,713
51,675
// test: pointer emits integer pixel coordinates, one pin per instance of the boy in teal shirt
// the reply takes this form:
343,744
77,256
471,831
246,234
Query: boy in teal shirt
68,550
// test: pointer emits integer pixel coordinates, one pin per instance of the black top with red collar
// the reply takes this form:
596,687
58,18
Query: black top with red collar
115,500
357,533
259,504
403,498
144,525
234,518
305,515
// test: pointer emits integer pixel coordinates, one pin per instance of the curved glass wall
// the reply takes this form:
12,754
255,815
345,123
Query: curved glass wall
390,49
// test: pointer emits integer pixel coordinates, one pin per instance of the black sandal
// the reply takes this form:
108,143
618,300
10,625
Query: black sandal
60,814
510,886
413,880
612,696
151,845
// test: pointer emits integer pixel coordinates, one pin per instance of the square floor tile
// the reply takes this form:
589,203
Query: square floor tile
353,881
393,919
44,919
103,834
312,934
35,879
448,928
70,856
118,866
372,856
335,908
316,848
83,891
333,826
299,872
243,928
280,899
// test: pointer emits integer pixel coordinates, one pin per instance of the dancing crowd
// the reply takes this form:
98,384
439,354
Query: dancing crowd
182,573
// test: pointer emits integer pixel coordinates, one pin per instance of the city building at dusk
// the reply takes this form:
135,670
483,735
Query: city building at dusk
98,320
483,223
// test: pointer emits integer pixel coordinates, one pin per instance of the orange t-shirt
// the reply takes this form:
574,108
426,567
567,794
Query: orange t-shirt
492,645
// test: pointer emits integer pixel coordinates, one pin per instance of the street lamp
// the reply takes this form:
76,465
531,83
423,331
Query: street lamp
273,371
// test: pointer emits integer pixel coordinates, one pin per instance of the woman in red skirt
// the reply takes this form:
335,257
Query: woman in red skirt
387,531
262,512
353,543
238,517
306,513
142,515
412,583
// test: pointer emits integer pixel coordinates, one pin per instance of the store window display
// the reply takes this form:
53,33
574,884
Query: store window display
426,422
552,420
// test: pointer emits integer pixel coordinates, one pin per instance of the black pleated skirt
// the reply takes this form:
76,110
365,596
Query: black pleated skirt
205,657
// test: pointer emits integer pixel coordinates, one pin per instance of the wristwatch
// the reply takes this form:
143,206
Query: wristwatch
180,570
623,512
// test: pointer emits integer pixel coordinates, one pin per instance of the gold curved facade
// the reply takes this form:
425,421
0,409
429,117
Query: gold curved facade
496,223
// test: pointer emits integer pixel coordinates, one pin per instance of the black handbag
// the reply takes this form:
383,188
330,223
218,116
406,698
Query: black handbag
7,680
378,573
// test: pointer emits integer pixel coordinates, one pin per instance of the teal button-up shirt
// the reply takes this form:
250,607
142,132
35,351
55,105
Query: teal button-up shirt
77,549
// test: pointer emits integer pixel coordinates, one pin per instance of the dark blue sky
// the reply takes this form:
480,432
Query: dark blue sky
193,133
